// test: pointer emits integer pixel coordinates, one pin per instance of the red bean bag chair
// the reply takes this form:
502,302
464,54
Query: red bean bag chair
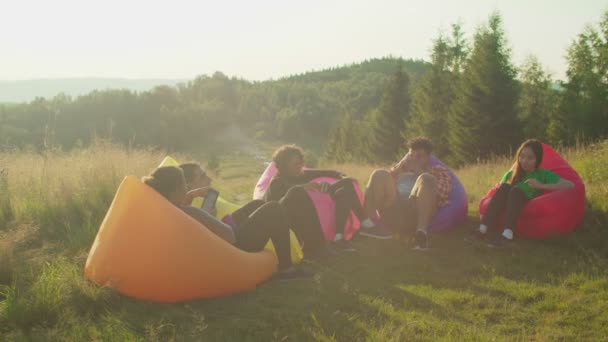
554,212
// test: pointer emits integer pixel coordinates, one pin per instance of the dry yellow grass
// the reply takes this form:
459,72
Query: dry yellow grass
553,290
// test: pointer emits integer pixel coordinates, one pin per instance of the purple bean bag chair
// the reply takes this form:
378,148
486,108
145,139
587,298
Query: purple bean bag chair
455,211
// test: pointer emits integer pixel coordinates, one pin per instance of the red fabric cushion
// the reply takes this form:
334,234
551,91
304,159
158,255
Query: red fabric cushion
554,212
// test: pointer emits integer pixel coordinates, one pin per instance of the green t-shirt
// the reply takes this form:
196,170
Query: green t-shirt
541,175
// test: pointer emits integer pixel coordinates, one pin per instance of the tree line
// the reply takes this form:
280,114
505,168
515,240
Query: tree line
300,108
470,99
474,103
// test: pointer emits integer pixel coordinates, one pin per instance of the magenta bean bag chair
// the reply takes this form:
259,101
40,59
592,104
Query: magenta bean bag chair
455,211
324,204
554,212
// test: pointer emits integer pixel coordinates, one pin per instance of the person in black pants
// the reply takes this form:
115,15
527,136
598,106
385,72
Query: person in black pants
289,186
522,183
508,199
253,225
301,214
199,183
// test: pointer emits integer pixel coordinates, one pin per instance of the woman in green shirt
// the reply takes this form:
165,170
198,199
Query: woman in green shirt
522,183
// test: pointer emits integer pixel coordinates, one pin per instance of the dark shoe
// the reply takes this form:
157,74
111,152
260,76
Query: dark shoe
321,254
343,246
292,273
420,240
376,233
475,236
500,241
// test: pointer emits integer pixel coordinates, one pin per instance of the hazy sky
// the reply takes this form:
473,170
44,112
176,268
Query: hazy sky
261,39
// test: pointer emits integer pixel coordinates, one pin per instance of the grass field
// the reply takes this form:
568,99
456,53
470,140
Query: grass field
51,205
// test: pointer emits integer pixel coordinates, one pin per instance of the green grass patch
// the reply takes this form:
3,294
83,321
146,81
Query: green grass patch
555,289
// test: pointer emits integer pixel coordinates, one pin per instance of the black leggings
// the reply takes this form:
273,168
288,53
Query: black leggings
344,194
303,219
257,222
507,198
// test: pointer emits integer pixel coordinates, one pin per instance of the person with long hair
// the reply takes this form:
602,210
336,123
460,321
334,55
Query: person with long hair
251,229
523,182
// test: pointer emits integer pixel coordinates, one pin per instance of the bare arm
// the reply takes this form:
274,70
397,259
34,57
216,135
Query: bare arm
216,226
192,194
401,166
561,184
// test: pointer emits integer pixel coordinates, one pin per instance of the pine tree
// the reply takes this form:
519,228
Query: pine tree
388,120
343,145
434,95
584,107
482,120
537,101
333,150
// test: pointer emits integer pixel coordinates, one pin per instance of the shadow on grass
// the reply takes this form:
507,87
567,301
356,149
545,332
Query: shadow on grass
383,285
385,281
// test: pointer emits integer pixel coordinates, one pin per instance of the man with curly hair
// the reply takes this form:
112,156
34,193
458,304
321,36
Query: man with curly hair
407,196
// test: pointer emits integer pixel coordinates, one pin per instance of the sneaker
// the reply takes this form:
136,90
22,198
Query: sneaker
343,245
420,240
475,236
292,273
376,233
500,241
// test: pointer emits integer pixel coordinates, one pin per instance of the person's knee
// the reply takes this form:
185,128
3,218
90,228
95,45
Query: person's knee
349,184
294,198
380,173
504,187
349,180
274,206
275,211
295,192
379,176
257,203
515,191
427,179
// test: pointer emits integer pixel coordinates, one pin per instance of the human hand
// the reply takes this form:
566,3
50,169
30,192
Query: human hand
534,184
200,192
406,163
339,175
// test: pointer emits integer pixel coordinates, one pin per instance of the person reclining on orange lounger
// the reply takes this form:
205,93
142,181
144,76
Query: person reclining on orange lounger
250,232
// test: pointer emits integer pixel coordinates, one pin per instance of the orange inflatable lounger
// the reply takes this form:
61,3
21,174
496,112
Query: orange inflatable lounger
149,249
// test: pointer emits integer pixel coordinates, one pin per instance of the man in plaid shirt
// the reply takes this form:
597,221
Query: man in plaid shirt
408,195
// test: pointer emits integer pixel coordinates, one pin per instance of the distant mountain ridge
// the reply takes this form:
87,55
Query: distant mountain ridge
384,65
27,90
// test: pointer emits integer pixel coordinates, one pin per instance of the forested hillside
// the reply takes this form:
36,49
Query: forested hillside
301,108
471,99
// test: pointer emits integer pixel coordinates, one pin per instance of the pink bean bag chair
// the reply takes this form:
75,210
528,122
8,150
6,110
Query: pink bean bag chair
324,204
554,212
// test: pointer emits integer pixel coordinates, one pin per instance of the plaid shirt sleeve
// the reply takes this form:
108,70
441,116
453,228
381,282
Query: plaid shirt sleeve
444,183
